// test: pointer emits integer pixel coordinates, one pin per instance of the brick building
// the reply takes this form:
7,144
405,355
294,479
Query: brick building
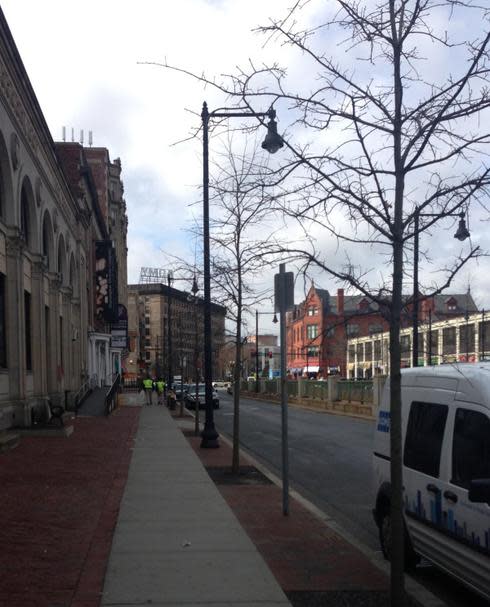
148,314
319,327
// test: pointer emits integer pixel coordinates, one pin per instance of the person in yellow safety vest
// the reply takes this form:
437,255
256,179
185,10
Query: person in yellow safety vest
160,390
148,386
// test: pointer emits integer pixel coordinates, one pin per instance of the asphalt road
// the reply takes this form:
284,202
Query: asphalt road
329,458
330,464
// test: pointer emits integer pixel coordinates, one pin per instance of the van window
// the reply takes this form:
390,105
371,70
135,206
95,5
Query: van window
471,447
423,442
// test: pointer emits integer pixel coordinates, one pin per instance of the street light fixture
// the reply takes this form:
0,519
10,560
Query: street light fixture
272,143
275,321
461,234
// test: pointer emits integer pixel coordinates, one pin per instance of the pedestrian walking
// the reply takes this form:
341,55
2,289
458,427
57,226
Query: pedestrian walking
160,390
148,387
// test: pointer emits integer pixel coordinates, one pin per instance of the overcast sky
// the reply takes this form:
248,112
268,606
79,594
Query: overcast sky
82,60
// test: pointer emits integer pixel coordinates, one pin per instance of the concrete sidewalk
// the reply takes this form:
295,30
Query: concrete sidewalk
177,542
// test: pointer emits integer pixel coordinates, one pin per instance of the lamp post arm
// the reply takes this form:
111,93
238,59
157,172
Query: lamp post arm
218,114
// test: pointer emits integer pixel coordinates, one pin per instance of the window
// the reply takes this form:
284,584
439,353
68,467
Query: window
27,320
313,351
405,344
3,342
471,447
311,331
24,216
375,328
148,355
423,442
147,343
330,332
449,340
312,311
147,320
147,331
352,330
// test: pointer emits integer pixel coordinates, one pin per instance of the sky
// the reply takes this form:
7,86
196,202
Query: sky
87,63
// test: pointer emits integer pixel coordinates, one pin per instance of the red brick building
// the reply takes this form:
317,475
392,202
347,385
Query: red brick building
319,327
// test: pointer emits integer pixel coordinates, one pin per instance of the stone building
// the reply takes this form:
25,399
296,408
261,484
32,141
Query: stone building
149,308
49,229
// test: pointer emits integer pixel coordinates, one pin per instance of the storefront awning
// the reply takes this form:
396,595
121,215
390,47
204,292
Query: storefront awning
312,368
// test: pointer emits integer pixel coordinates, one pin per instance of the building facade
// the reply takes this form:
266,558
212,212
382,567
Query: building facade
462,339
47,242
152,347
319,328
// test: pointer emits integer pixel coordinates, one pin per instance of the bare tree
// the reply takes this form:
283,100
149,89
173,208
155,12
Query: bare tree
239,215
389,128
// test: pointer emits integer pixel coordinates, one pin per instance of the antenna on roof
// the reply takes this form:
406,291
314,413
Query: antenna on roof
72,135
90,138
63,136
81,136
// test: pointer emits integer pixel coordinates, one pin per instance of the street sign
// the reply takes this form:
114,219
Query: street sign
287,279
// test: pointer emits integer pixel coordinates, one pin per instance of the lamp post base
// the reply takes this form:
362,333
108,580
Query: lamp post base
209,437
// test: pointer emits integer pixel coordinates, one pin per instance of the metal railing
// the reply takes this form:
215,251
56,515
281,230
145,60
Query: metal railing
81,393
355,390
111,396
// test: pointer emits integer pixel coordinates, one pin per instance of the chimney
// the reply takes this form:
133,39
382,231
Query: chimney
340,302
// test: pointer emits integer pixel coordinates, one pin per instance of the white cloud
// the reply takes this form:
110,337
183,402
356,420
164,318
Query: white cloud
83,61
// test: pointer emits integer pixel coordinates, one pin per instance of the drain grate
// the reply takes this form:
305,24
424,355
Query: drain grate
248,475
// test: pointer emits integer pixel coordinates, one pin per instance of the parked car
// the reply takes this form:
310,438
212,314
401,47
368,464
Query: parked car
220,383
190,397
180,390
446,469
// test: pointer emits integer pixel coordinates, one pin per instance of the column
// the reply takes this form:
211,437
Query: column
66,338
53,369
39,362
15,317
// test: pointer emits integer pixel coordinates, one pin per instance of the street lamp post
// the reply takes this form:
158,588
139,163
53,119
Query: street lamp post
272,143
274,320
461,234
169,334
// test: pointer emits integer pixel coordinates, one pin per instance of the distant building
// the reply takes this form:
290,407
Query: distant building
461,339
318,328
148,312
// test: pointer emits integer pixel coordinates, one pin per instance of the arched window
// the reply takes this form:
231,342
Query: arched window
46,241
24,215
60,261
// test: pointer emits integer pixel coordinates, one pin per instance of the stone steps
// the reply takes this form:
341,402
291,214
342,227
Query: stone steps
8,440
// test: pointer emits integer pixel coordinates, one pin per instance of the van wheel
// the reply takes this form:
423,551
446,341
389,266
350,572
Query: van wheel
411,557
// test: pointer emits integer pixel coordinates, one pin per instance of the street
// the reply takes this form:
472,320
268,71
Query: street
330,465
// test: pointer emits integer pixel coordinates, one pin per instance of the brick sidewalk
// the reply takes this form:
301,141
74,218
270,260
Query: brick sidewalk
313,564
60,502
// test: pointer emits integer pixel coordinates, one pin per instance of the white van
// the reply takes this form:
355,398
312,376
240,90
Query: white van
446,469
